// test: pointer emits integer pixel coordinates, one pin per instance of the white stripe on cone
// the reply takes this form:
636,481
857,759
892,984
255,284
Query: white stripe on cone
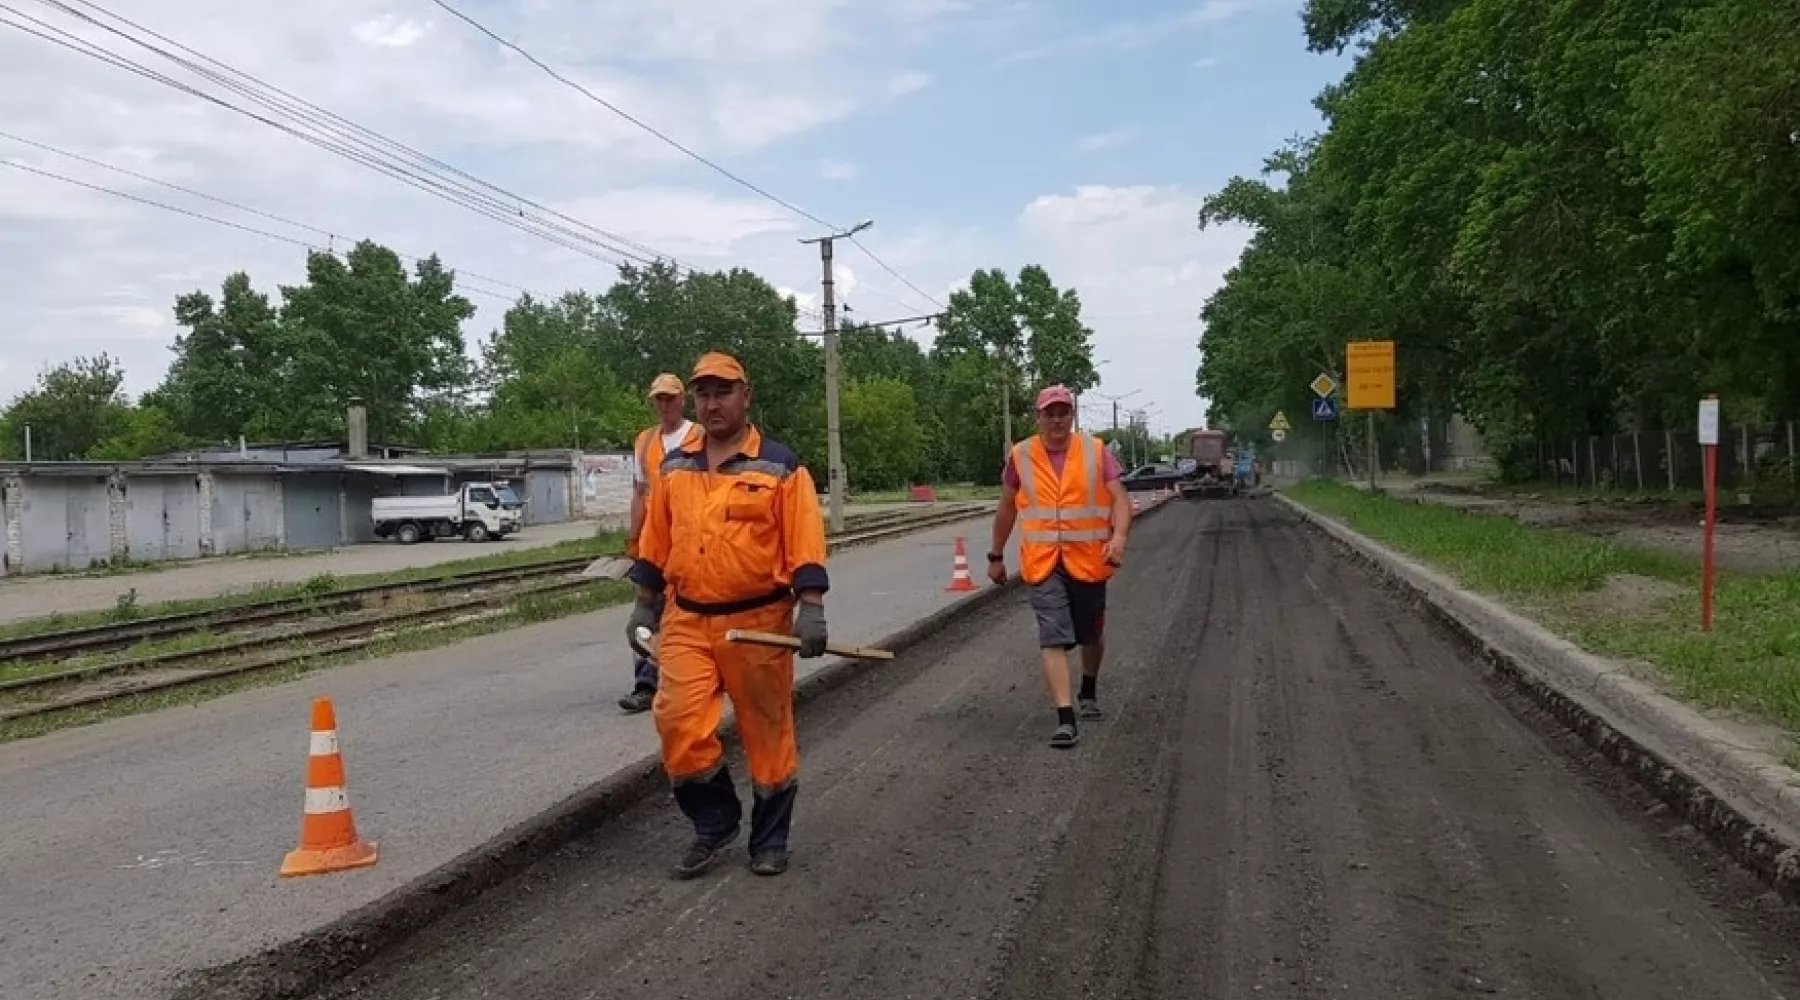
322,801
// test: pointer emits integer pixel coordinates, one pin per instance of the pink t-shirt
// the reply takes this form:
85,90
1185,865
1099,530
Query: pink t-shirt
1109,473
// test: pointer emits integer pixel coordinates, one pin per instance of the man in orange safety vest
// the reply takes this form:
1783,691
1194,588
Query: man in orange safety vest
1062,488
672,432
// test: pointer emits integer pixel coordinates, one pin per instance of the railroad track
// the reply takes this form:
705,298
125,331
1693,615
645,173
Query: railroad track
133,677
110,637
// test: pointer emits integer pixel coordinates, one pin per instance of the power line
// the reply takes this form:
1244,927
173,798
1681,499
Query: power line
615,109
346,139
190,213
335,139
328,234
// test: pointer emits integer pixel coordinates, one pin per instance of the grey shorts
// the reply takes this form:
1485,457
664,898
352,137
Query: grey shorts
1069,612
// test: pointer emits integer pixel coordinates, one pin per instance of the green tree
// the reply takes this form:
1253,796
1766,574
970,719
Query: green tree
75,406
884,443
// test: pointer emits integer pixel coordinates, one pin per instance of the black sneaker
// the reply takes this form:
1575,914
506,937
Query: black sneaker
702,854
1065,736
1090,709
772,862
637,701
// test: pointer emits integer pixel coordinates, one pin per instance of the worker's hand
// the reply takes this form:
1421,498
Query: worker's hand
997,571
644,614
1114,551
809,625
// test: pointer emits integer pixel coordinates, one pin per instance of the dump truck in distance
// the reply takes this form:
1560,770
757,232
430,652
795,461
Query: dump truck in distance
1211,475
476,511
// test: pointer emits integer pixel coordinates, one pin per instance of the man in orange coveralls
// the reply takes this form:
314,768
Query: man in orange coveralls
734,534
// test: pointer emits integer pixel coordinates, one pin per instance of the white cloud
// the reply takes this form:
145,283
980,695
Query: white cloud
1143,271
902,84
91,271
1206,62
1107,140
1139,33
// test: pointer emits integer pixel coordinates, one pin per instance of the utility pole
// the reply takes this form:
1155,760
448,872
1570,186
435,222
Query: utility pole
834,447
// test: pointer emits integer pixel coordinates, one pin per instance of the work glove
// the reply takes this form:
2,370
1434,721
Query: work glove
809,625
645,614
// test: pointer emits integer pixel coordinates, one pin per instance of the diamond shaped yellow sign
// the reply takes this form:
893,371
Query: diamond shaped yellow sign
1323,385
1280,423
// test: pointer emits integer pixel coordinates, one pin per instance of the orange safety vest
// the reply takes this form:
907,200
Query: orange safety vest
649,450
1067,516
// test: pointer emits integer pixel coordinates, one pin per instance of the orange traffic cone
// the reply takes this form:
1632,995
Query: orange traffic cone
328,838
959,575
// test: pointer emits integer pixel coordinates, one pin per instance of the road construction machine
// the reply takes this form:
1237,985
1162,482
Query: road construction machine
1211,475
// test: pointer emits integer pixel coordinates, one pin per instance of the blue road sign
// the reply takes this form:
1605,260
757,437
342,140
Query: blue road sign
1324,408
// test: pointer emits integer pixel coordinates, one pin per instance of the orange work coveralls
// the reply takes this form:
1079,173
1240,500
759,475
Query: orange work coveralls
732,546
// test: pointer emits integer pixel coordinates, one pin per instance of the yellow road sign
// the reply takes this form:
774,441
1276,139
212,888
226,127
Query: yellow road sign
1323,385
1280,423
1369,375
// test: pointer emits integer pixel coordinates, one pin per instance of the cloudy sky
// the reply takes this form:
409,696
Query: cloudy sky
975,133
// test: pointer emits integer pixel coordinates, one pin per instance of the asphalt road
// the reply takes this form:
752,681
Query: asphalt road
1303,790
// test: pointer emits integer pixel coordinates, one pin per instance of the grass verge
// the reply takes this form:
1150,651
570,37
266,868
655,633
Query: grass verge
127,608
526,611
1612,599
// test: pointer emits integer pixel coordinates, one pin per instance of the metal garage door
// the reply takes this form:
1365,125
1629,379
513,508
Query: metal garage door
547,497
162,518
64,524
310,511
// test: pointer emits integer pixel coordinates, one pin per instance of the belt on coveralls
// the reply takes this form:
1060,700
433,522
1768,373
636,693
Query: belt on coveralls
733,607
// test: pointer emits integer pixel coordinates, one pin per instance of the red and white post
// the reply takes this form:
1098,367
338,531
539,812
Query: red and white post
1709,448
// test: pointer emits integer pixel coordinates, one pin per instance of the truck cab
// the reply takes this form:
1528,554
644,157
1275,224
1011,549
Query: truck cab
476,512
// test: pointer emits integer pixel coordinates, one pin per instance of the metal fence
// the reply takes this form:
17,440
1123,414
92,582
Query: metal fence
1757,462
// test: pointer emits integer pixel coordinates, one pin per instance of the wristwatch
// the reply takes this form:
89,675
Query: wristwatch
995,557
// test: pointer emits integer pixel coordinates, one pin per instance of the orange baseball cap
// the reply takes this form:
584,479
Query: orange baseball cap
667,384
715,364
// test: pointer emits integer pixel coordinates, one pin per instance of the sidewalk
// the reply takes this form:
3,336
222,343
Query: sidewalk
137,849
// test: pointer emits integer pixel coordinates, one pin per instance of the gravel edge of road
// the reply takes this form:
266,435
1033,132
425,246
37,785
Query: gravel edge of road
1744,799
304,965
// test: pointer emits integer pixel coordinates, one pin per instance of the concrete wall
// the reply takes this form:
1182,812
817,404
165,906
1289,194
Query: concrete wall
246,513
12,537
603,483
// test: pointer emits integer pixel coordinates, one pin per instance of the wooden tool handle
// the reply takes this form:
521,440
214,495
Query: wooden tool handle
793,642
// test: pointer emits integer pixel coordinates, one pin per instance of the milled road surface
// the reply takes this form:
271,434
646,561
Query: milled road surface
1302,790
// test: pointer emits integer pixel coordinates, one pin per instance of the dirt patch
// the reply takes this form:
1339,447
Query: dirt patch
1626,595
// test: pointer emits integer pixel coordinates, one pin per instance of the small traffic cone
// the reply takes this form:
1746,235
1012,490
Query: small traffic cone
328,838
959,575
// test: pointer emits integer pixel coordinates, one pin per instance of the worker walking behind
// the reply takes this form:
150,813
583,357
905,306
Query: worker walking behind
672,432
1064,487
733,533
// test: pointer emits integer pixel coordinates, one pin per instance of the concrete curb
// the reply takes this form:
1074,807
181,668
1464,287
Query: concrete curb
1745,799
314,960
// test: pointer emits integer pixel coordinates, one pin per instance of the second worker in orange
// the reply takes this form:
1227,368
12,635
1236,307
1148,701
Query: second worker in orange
734,534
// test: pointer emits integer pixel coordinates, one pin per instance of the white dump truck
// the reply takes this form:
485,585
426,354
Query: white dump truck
476,511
